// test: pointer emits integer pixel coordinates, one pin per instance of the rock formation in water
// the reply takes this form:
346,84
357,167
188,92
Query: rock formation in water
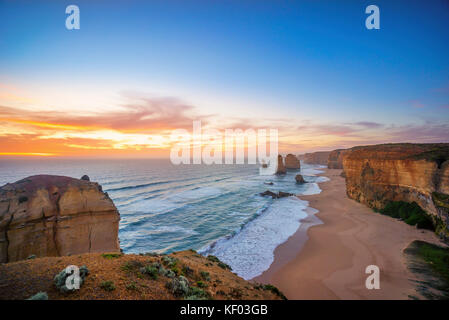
274,195
280,167
376,175
48,215
291,162
335,160
319,157
300,179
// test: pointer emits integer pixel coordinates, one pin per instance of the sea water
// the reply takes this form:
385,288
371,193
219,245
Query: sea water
215,209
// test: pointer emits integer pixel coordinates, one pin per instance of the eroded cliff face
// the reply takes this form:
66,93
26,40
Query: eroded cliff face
417,173
55,216
319,157
335,160
292,162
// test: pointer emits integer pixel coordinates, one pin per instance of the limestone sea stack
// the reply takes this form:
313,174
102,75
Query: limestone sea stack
292,162
376,175
280,166
47,215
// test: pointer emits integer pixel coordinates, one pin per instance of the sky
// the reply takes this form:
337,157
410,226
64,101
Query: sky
137,70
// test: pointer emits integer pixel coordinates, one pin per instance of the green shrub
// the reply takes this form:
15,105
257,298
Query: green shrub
150,271
196,294
169,261
178,286
176,271
187,271
131,266
201,284
107,285
213,258
275,290
410,213
111,255
39,296
131,286
205,275
60,279
224,266
437,257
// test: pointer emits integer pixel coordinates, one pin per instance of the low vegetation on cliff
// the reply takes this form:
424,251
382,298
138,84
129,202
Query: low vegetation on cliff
410,213
180,275
431,263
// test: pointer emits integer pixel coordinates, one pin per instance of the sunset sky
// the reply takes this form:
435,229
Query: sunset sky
137,70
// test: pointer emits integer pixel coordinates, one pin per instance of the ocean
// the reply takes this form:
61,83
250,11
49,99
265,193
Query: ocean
214,209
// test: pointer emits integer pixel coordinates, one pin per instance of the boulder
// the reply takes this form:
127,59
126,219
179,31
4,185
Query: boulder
299,179
85,178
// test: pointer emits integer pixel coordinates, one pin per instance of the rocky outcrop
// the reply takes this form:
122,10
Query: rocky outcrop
300,179
319,157
274,195
280,167
55,216
335,160
291,162
417,173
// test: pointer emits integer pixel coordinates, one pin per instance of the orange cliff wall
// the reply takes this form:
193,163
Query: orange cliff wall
319,157
55,216
335,159
417,173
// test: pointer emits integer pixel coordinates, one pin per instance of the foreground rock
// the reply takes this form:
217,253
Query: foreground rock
48,215
280,166
300,179
376,175
292,162
136,277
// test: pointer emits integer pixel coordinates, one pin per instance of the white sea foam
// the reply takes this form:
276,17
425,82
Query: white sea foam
251,251
311,188
321,179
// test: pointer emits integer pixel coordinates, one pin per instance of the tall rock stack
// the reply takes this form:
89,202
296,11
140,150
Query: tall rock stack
292,162
48,215
280,167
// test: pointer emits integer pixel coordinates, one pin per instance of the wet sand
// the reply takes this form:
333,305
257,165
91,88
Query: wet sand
326,258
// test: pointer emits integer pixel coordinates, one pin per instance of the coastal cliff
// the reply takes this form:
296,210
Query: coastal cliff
292,162
319,157
376,175
48,215
335,160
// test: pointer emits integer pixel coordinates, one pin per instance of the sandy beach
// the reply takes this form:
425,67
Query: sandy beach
326,258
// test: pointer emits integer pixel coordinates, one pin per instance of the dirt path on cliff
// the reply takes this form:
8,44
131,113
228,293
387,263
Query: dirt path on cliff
332,262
